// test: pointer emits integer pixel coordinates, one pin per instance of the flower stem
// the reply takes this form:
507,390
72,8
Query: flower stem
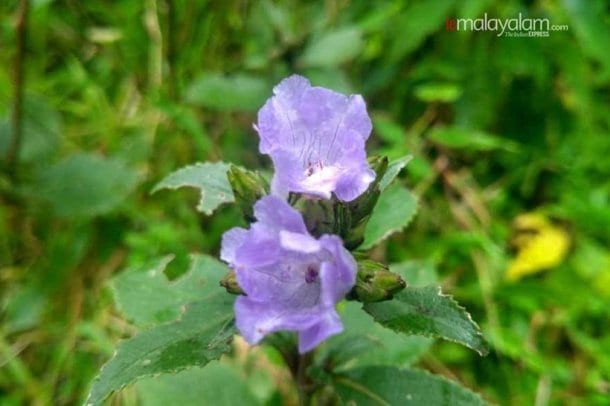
303,382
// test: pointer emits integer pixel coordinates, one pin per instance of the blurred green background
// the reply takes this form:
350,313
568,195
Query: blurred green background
115,95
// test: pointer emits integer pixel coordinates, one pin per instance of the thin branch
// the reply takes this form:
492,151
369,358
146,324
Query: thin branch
20,373
171,48
155,50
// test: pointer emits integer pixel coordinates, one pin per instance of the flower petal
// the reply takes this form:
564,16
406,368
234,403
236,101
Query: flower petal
292,281
330,324
333,119
255,320
337,277
279,215
278,121
321,183
299,242
276,282
315,138
231,241
354,183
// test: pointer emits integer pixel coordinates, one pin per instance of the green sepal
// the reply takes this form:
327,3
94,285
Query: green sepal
345,219
319,216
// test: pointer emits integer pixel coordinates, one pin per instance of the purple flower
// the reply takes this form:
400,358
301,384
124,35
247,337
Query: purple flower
292,281
315,138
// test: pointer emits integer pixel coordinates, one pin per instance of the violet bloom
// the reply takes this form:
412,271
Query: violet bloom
315,138
291,280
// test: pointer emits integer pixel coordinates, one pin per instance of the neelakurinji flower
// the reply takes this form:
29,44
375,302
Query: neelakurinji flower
291,280
315,138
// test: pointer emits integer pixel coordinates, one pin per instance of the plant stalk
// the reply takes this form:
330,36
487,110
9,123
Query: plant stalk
303,382
12,157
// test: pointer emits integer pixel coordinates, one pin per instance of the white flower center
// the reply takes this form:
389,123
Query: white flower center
321,178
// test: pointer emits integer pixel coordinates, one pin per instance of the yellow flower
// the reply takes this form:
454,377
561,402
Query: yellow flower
540,245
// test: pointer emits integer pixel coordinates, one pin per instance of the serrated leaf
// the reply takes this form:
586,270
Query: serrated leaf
426,311
393,212
209,177
146,296
333,48
392,386
382,345
85,185
393,170
202,334
217,384
365,342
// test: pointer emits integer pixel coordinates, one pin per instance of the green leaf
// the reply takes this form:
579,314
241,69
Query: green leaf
202,334
41,131
85,185
393,170
438,92
590,27
392,386
459,138
388,130
333,48
186,120
409,36
393,212
145,295
282,18
228,93
368,343
217,384
329,77
209,177
426,311
393,135
23,307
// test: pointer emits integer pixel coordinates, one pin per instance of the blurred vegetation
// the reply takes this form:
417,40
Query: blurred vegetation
115,95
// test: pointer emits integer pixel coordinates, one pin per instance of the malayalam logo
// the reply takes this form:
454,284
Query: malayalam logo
506,27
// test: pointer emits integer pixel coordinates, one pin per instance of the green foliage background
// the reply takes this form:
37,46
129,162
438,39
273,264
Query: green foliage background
119,94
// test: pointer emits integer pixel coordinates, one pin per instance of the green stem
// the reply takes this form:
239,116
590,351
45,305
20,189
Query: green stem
20,373
171,49
17,116
304,384
297,364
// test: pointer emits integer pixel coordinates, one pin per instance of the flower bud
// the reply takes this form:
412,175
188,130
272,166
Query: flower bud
357,212
345,219
248,187
229,282
375,283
